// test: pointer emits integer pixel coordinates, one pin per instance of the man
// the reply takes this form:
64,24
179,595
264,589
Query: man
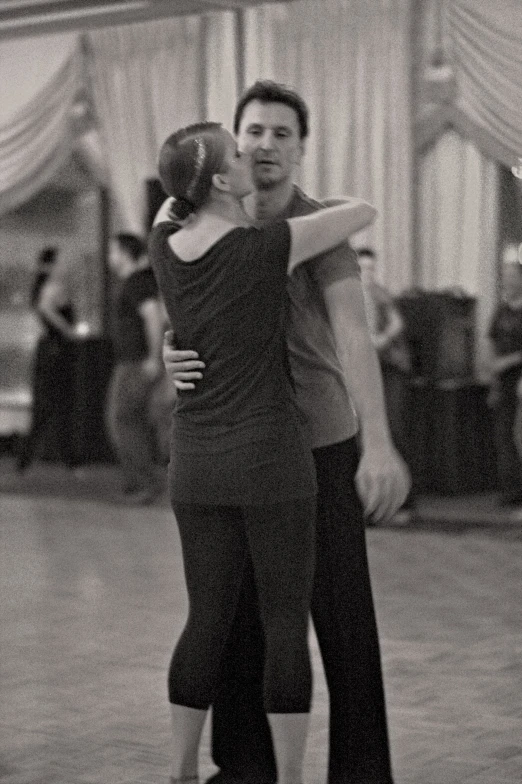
137,336
327,337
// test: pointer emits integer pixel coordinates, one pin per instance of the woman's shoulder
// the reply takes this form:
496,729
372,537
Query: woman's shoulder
193,243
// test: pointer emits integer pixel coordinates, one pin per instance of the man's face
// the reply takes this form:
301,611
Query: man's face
269,132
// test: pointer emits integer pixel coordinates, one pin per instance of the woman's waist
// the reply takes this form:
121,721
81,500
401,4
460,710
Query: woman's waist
214,433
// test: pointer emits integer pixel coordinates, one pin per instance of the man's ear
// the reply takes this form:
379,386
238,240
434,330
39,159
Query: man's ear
220,181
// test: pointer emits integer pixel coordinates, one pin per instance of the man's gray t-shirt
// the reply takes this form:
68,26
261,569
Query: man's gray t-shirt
319,380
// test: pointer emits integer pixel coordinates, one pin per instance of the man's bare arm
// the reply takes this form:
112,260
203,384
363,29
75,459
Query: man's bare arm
382,478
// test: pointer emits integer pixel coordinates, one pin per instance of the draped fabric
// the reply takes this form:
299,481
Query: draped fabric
350,60
458,227
146,80
460,143
484,42
222,67
40,79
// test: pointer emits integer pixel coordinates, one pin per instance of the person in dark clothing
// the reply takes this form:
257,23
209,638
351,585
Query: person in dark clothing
137,334
53,368
242,477
505,334
359,475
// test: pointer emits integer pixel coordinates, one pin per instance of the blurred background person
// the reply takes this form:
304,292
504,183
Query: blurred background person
388,333
505,334
138,325
53,367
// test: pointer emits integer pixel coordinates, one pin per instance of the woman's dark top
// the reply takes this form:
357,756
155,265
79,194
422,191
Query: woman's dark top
238,438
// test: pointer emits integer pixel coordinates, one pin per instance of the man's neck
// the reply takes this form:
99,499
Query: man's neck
265,204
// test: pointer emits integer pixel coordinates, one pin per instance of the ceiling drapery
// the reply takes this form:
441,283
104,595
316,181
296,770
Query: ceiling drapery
41,78
40,81
486,51
350,59
483,45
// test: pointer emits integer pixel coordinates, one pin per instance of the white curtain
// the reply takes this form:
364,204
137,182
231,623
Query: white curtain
149,79
222,65
146,81
40,79
484,42
350,60
458,227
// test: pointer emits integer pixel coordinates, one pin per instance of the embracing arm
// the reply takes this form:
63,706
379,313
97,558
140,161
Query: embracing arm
382,478
183,368
313,234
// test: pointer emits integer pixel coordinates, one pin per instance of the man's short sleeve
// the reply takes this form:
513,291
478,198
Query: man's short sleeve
336,264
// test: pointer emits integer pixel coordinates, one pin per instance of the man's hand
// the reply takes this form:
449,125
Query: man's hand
383,482
183,367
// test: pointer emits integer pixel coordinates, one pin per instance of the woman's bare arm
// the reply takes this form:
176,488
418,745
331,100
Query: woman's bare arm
313,234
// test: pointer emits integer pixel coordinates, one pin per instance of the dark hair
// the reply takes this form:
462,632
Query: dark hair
267,91
132,245
47,255
188,160
366,252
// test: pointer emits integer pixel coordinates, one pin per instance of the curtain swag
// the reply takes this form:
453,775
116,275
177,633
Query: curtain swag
37,138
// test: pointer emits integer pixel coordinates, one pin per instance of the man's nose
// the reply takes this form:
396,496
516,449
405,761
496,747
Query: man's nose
267,141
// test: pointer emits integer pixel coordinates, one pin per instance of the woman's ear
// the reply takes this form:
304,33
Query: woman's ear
220,181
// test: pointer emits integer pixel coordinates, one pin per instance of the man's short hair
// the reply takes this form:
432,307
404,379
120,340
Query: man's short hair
266,91
132,245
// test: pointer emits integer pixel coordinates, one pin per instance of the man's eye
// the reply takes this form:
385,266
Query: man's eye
255,132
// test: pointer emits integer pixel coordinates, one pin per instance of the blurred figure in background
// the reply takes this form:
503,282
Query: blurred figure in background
505,334
388,334
53,370
137,338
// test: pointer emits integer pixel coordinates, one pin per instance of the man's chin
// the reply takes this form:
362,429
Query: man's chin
266,183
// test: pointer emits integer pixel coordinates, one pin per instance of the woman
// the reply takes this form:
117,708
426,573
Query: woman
53,368
241,472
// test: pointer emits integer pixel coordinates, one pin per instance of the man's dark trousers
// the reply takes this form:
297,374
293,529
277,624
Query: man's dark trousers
344,619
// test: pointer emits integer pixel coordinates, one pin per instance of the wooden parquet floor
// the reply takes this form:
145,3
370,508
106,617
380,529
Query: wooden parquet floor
93,599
